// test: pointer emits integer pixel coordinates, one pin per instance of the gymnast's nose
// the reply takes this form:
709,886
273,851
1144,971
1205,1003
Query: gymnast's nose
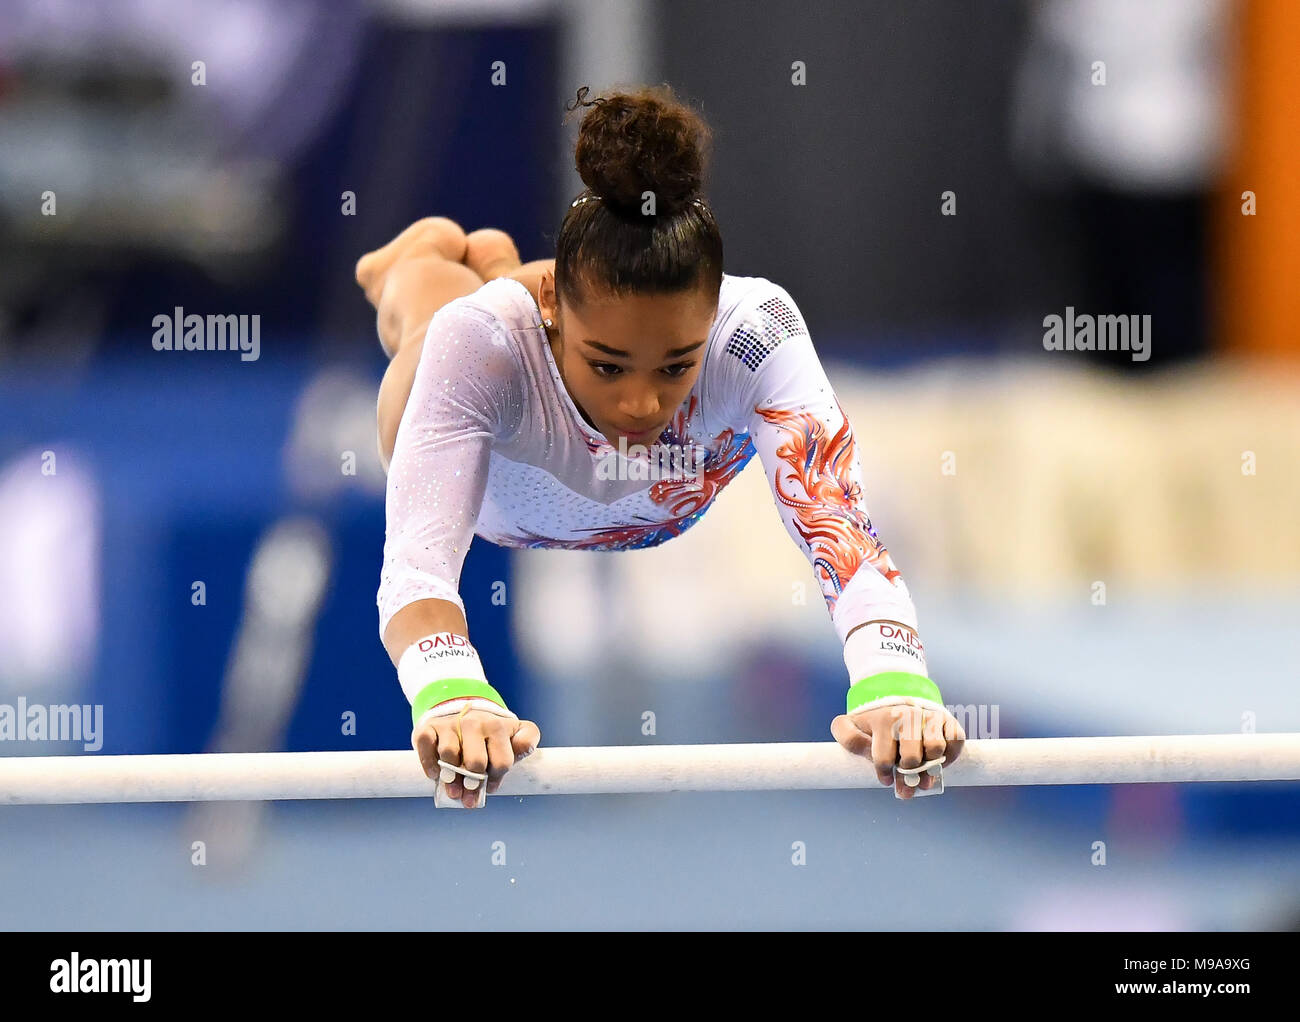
639,405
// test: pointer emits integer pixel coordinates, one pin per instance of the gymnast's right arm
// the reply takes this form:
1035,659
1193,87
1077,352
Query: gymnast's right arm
463,396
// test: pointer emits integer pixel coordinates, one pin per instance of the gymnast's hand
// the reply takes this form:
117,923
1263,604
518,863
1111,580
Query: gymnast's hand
478,740
895,735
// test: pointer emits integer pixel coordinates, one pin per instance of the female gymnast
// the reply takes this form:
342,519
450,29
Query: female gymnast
525,403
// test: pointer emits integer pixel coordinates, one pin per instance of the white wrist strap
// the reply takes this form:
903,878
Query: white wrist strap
435,657
881,646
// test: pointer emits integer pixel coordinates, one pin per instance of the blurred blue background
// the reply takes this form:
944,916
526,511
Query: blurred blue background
193,541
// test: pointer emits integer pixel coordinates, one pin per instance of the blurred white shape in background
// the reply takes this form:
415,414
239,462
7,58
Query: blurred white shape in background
1134,907
49,572
1158,123
334,428
255,52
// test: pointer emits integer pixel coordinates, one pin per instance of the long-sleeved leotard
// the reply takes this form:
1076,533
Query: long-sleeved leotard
491,443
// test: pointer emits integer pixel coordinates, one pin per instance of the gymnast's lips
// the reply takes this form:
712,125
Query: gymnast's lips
637,435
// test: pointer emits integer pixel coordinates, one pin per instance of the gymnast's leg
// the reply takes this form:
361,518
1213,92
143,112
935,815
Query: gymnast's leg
428,265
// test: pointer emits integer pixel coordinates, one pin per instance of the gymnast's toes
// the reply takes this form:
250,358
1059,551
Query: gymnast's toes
430,236
491,253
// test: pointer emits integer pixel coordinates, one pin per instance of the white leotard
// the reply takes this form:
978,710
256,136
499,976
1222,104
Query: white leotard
492,444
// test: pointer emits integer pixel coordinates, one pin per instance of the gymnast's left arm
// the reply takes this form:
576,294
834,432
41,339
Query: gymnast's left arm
894,712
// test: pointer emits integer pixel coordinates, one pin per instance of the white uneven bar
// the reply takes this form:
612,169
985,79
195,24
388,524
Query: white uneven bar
259,776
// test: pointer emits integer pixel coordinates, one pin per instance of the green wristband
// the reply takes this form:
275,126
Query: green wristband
891,683
453,688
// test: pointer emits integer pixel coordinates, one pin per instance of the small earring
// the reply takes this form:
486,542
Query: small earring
547,322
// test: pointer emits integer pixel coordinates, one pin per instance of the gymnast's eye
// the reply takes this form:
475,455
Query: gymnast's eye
605,369
678,369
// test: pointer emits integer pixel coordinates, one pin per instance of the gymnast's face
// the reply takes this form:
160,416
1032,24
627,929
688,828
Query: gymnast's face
629,362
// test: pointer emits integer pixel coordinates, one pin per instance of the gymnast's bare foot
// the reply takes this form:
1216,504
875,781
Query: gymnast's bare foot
491,253
433,235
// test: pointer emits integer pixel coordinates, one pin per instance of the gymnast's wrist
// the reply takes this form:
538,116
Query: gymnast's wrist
890,688
443,667
458,707
886,663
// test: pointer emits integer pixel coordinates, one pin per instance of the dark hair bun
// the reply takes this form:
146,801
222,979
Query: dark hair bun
643,141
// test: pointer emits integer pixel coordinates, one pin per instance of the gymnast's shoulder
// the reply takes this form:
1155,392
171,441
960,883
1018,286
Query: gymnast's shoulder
500,309
756,318
476,352
756,304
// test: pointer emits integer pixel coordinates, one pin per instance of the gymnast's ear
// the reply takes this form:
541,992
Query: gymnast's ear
547,300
